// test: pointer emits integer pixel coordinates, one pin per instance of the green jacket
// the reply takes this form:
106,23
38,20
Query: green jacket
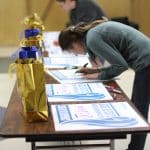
122,46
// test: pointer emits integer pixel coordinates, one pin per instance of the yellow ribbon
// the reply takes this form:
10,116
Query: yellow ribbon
34,21
11,68
31,41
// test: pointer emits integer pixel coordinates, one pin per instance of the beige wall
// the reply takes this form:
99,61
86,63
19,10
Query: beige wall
137,10
115,7
140,13
13,12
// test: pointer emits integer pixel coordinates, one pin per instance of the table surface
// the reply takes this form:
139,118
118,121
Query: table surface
14,125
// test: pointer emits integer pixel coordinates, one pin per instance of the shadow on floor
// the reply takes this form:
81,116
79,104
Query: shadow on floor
4,64
2,112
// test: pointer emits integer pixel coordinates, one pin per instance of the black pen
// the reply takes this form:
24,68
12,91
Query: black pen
85,65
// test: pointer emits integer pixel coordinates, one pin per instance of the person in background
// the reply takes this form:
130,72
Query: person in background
82,11
123,47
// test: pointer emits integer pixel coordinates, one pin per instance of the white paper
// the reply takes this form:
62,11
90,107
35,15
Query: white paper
69,76
53,50
66,61
96,116
77,92
49,38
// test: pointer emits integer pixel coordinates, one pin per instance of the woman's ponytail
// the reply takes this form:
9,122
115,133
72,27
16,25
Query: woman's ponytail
77,32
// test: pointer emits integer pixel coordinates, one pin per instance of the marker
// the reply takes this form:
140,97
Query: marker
73,67
85,65
112,89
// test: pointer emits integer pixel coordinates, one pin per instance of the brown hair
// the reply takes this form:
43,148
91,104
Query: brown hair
76,33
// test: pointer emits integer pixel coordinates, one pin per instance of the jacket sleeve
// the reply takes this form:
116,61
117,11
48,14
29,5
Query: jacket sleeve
117,63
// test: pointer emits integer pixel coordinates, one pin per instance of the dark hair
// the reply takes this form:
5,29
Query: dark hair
76,33
67,37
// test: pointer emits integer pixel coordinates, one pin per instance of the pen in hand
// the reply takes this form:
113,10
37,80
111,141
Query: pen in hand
84,66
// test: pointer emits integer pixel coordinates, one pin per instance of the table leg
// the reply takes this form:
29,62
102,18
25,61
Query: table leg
112,144
33,146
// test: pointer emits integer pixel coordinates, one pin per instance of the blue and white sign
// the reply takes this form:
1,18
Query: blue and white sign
96,116
77,92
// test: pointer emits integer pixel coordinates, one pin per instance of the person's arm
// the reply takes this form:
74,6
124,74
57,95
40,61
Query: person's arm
118,63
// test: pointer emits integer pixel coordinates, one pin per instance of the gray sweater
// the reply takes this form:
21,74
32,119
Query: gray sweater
85,11
122,46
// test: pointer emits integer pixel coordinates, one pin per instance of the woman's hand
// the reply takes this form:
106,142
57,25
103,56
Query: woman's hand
87,70
91,76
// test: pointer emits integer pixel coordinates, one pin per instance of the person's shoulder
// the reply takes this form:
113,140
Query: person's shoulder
90,2
93,32
90,7
98,29
85,3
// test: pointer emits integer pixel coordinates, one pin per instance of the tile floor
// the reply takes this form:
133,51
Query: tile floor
125,82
